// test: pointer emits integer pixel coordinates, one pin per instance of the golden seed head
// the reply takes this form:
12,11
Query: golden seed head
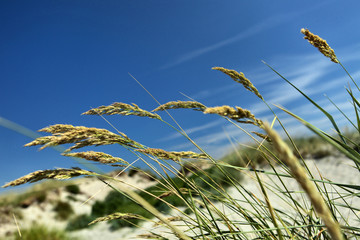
180,104
60,173
97,157
175,156
122,109
116,215
81,137
320,44
240,78
57,128
235,114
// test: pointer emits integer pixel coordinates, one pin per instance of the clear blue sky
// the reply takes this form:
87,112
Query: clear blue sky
60,58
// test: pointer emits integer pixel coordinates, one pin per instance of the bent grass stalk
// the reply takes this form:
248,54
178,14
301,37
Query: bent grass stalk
286,155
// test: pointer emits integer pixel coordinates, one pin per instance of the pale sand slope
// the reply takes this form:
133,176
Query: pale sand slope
91,189
337,169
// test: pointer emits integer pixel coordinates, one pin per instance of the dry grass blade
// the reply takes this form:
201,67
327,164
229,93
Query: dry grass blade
263,136
175,156
169,193
320,44
117,215
240,78
49,174
181,104
299,173
122,109
150,236
170,219
97,157
81,137
235,114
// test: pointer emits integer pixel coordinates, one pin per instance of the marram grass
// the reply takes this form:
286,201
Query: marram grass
81,137
115,216
180,104
175,156
97,157
238,114
240,78
320,44
196,203
286,156
49,174
121,109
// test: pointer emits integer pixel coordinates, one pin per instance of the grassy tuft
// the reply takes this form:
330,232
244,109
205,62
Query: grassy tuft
63,210
199,197
36,232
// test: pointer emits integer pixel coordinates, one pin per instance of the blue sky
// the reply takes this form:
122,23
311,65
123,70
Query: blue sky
60,58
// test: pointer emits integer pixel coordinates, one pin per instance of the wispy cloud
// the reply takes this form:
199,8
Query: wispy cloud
312,75
217,139
255,29
193,130
206,93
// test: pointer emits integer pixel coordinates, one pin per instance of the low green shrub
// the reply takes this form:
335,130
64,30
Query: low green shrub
71,198
37,232
73,188
63,210
79,222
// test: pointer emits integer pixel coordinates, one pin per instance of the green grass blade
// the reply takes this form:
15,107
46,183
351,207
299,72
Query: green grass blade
342,147
356,127
356,107
314,103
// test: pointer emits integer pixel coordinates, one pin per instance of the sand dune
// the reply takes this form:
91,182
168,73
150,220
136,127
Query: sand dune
338,169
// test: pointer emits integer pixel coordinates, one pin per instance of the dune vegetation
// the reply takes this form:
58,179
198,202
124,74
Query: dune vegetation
197,202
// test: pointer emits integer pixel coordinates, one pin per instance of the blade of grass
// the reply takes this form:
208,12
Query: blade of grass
342,147
314,103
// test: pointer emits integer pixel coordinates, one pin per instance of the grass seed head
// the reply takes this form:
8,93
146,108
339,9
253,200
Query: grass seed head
320,44
81,137
49,174
116,215
97,157
57,128
235,114
180,104
240,78
175,156
122,109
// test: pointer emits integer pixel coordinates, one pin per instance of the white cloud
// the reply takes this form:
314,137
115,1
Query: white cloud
194,130
312,76
207,93
255,29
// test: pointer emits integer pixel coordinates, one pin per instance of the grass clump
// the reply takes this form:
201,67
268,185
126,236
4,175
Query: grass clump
117,202
79,222
73,189
197,197
63,210
36,232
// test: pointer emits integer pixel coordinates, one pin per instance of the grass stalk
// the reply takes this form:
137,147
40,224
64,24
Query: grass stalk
298,171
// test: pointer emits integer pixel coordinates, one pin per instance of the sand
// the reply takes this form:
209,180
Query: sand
338,169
